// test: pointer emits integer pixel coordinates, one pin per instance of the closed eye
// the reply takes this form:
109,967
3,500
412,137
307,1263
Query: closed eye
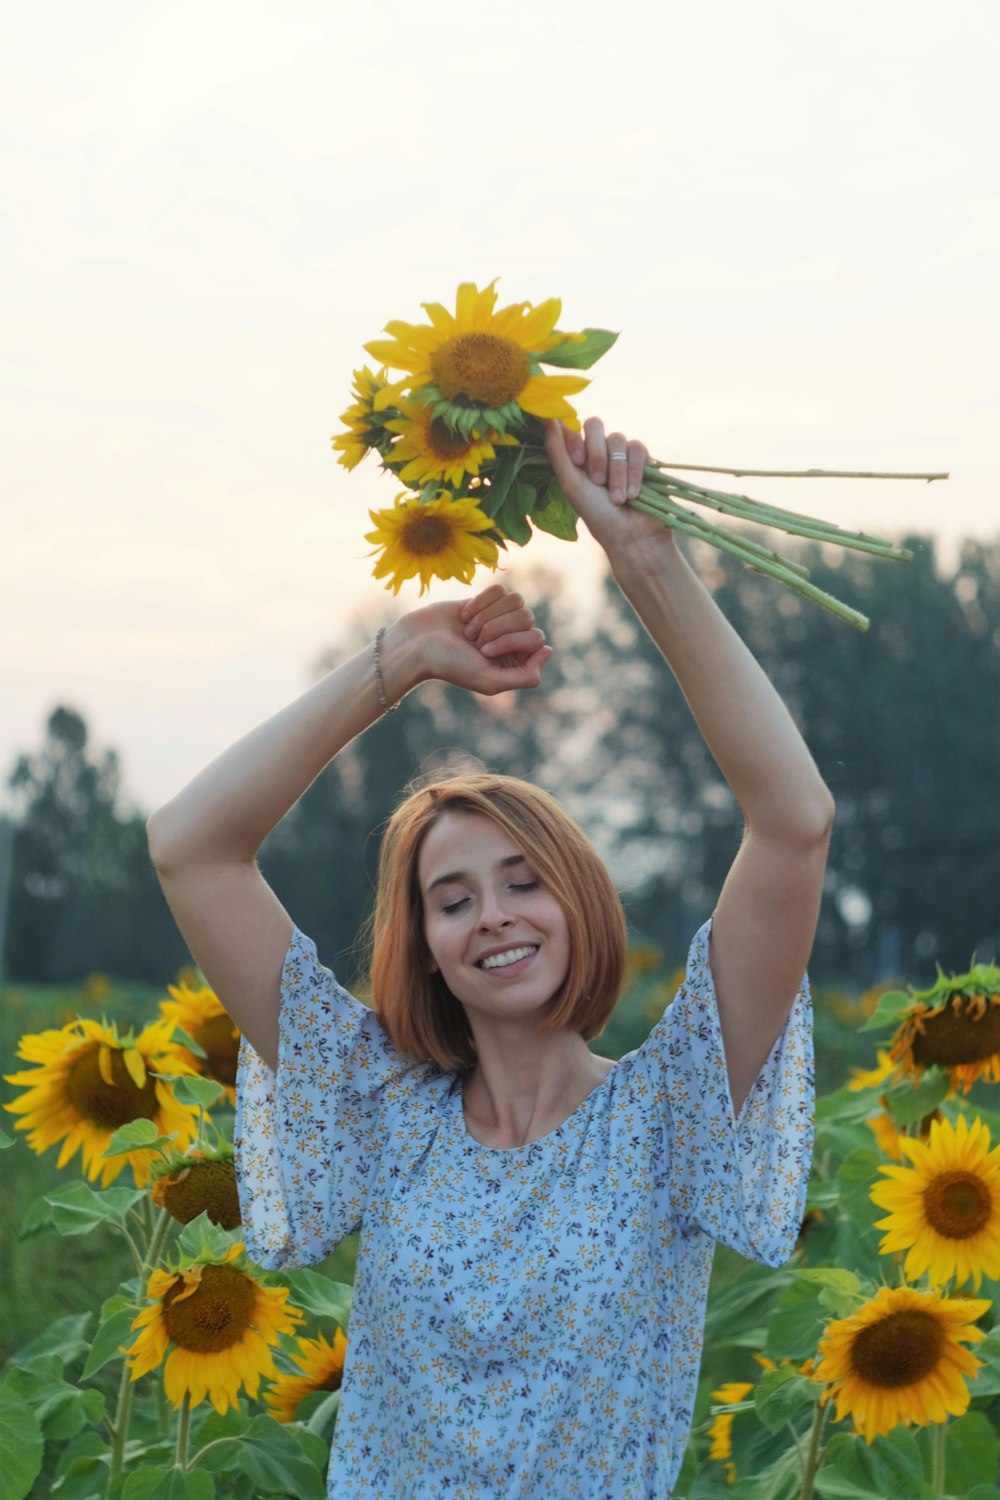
454,905
526,885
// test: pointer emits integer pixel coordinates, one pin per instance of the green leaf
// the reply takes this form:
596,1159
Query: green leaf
81,1472
512,514
270,1456
137,1135
839,1291
67,1410
113,1332
37,1219
553,513
781,1395
972,1452
890,1465
150,1483
781,1481
581,355
987,1382
856,1176
186,1040
21,1444
201,1239
192,1089
6,1140
318,1295
910,1102
888,1011
64,1340
796,1324
77,1209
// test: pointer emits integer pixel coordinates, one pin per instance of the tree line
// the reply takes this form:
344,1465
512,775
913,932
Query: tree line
904,723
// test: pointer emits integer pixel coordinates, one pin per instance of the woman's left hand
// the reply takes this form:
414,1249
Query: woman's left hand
597,473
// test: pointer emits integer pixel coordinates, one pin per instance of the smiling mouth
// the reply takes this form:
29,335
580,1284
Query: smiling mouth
510,956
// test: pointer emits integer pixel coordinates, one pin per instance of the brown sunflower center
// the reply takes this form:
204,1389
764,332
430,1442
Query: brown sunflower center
221,1047
203,1187
951,1039
482,367
109,1105
333,1381
899,1349
426,536
215,1316
444,443
957,1204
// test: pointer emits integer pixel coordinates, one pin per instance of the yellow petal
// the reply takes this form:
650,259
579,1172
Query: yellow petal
104,1063
136,1067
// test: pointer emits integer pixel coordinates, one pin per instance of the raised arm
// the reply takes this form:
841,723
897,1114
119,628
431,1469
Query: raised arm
204,842
765,919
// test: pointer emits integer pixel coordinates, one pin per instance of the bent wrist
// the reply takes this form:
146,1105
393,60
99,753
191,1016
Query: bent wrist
401,663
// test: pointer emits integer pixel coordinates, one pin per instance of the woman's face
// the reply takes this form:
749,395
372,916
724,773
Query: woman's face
497,936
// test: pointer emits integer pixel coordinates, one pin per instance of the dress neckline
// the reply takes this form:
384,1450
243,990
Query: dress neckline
458,1105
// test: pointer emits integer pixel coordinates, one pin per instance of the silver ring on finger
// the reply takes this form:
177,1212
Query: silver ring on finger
621,456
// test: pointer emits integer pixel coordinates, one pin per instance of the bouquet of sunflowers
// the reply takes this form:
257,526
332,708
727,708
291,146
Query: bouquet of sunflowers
462,427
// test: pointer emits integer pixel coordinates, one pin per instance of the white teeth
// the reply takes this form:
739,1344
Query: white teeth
501,960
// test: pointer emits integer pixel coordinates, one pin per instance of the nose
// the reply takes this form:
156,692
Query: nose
493,916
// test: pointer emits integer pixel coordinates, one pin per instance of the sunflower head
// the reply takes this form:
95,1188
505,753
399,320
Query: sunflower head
436,538
87,1082
944,1209
216,1324
428,450
320,1368
198,1011
954,1025
365,426
200,1182
479,368
899,1359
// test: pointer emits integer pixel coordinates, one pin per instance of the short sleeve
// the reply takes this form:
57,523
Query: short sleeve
742,1180
307,1138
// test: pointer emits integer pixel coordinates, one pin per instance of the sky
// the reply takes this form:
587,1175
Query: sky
790,210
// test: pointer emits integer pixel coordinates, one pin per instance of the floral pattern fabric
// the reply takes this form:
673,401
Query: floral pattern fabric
526,1322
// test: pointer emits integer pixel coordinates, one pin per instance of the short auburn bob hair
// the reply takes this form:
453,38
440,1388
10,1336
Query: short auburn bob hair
422,1017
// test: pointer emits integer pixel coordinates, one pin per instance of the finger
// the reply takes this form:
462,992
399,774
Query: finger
638,455
515,642
617,466
576,446
564,467
483,600
508,623
512,672
597,450
500,609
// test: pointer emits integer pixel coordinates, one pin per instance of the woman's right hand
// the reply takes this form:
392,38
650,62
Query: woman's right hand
488,644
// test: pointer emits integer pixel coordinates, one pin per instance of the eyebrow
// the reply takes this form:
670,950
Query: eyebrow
460,875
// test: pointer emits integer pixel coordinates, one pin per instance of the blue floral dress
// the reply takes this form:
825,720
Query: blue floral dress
527,1323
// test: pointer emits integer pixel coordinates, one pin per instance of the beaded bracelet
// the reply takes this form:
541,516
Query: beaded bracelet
387,707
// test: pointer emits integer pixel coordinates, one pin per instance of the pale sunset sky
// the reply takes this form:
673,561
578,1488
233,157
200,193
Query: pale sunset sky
790,209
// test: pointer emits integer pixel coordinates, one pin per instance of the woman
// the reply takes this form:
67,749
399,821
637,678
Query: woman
537,1222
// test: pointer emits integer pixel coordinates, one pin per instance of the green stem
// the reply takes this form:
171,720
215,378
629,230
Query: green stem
938,1450
795,473
790,521
705,532
126,1386
123,1410
814,1457
183,1428
666,505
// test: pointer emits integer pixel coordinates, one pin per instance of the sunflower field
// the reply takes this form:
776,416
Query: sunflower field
148,1359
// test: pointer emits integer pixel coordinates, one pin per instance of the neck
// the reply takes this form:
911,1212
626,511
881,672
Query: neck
515,1094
